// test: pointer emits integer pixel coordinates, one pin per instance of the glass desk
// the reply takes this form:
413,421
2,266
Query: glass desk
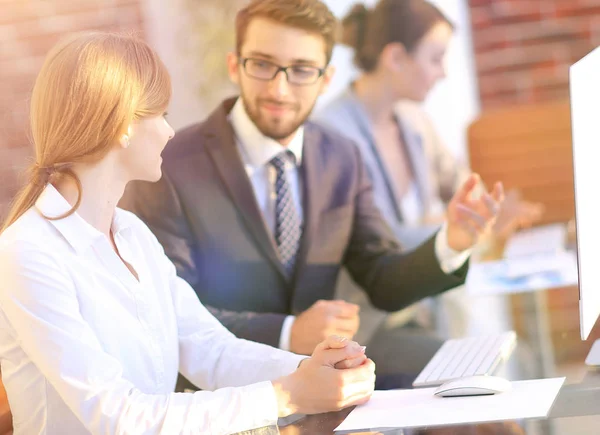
549,345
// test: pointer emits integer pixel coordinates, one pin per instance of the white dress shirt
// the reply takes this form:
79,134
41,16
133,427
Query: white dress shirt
87,348
257,150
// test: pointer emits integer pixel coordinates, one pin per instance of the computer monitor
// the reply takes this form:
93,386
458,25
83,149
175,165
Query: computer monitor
584,78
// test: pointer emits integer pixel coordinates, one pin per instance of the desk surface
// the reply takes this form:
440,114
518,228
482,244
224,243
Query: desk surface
576,411
548,346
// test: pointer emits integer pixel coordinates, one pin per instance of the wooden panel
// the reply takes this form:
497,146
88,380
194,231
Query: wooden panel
563,317
528,148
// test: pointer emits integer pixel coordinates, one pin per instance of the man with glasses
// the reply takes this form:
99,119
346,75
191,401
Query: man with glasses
259,209
296,74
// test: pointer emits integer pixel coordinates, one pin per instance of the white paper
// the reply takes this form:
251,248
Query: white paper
536,272
539,240
415,408
540,263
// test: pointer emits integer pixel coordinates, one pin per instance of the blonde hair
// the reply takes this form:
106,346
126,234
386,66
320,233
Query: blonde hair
91,87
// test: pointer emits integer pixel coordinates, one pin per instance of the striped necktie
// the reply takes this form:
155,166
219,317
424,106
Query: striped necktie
288,227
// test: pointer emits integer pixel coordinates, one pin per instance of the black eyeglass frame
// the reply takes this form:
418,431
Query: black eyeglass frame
244,60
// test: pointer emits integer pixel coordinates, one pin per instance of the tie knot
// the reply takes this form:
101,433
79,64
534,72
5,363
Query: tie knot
280,160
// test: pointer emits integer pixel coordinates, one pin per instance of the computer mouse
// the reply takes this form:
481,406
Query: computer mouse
473,386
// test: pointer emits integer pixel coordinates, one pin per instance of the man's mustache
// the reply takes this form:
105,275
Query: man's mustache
277,103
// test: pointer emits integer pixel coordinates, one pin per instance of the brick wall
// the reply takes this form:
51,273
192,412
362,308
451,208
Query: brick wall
28,28
523,48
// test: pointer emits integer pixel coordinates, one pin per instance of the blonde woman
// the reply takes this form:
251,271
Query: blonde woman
94,322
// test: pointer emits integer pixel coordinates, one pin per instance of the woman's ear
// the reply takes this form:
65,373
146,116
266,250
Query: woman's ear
394,56
124,139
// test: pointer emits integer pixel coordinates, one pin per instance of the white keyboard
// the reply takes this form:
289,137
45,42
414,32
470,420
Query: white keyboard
469,356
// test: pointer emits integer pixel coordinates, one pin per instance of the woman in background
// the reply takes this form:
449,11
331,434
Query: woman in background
399,47
94,322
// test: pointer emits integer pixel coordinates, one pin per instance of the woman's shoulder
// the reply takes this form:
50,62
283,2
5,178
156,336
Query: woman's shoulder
30,231
31,247
337,111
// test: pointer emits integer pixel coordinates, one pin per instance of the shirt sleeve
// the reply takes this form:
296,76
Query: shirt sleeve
286,333
39,300
231,361
449,259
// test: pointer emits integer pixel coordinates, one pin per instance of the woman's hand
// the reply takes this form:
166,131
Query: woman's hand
318,386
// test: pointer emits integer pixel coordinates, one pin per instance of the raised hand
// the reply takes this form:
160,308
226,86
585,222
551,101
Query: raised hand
471,219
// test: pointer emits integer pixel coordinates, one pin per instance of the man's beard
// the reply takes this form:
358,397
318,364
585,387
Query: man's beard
274,130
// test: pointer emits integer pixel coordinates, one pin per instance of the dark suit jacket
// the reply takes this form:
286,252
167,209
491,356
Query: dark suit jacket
205,214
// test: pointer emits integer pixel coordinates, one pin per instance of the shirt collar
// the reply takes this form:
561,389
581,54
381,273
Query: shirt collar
76,230
257,149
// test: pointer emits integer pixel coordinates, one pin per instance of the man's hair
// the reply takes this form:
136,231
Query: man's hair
310,15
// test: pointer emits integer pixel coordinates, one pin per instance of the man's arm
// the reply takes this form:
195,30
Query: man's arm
159,206
392,279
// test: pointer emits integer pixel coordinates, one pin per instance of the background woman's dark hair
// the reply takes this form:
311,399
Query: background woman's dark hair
368,31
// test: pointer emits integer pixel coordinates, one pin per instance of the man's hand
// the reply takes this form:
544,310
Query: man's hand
321,320
515,214
317,386
471,219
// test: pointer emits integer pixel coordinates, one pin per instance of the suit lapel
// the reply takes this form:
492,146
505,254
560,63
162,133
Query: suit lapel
312,170
220,143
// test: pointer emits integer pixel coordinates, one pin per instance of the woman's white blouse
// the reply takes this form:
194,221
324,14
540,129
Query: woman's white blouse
87,348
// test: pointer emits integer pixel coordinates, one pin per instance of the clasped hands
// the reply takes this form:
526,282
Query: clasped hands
337,375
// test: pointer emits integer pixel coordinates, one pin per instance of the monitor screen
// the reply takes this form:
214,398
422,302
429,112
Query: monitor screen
584,78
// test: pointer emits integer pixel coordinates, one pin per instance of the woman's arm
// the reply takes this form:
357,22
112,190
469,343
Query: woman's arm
40,302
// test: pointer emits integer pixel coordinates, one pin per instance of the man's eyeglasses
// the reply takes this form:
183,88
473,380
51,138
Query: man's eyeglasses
296,74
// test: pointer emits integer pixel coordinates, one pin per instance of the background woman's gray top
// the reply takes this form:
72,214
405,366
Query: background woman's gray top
437,175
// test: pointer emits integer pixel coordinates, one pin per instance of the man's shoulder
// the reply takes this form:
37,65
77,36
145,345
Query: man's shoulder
186,141
192,139
330,136
331,141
